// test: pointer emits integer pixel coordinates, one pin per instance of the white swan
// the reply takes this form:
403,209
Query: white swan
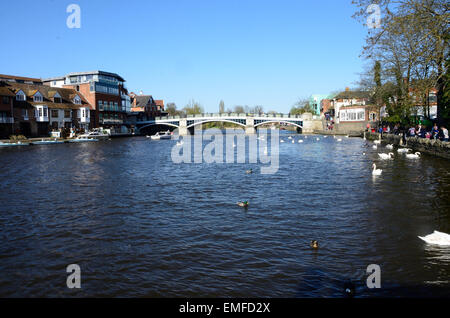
289,137
375,171
413,155
390,146
324,136
300,141
437,238
293,141
339,139
401,150
281,140
377,142
374,146
386,155
317,139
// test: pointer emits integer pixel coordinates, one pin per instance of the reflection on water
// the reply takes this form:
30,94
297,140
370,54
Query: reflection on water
140,225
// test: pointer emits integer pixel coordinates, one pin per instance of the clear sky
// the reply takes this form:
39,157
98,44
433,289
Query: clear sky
245,52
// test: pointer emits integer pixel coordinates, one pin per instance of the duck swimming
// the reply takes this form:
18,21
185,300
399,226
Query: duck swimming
314,244
249,171
243,204
403,150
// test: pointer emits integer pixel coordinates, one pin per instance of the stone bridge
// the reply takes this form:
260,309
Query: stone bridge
250,122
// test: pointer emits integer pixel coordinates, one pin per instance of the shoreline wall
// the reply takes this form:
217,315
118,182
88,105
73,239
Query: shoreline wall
429,146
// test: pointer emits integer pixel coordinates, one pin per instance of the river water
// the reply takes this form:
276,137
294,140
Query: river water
140,225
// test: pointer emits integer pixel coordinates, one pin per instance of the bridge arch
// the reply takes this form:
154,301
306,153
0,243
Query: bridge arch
158,124
277,122
215,120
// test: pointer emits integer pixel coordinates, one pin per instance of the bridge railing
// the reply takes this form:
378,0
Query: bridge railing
222,115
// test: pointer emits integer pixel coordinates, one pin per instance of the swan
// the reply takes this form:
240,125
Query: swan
377,142
374,146
403,150
375,171
325,136
306,136
147,136
300,141
293,141
386,155
437,238
249,171
413,155
289,137
334,136
347,136
339,139
180,143
390,146
317,139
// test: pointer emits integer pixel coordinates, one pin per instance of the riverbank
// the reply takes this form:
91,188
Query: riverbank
429,146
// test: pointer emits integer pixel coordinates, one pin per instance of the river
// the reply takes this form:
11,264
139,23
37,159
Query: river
139,225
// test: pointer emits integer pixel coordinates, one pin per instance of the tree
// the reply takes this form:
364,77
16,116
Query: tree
239,109
171,109
301,106
412,43
193,108
221,107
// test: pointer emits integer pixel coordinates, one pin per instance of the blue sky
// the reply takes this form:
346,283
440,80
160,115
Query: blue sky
245,52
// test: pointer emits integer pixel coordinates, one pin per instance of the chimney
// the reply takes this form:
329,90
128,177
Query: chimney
347,89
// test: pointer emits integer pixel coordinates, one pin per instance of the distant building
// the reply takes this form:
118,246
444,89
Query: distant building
20,79
105,91
315,100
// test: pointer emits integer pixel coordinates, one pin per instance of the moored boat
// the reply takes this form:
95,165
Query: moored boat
161,135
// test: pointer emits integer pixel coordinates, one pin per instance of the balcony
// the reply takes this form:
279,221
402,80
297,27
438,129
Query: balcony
6,120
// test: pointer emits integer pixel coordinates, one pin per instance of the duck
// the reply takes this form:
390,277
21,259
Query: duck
437,238
375,171
243,204
377,142
402,150
390,146
314,244
249,171
413,155
349,289
386,155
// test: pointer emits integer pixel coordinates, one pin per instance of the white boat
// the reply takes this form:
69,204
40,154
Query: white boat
13,144
162,135
47,142
83,139
95,134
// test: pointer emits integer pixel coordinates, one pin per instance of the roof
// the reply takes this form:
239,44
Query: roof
4,91
67,94
20,78
97,72
159,102
143,100
352,94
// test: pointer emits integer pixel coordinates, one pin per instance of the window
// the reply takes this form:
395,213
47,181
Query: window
55,113
45,112
24,113
67,113
57,99
39,112
37,98
357,114
77,100
20,96
5,100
